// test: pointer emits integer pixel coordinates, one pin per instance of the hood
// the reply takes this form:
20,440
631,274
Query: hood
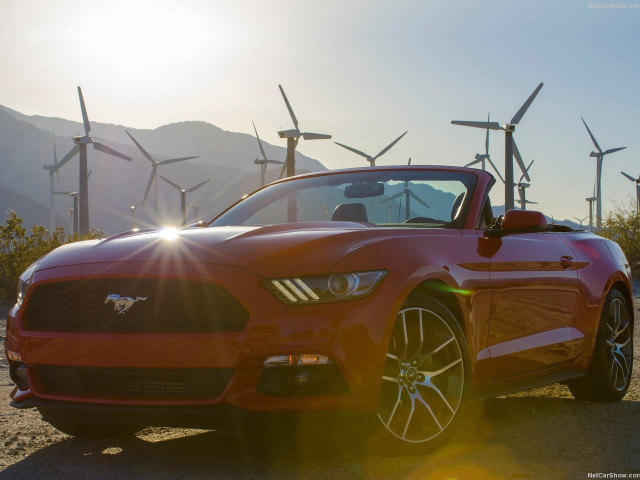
275,250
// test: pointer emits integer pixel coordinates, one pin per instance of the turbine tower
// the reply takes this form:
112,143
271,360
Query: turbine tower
153,178
599,155
183,195
522,190
509,146
292,137
82,141
54,169
370,159
637,180
264,161
485,156
591,201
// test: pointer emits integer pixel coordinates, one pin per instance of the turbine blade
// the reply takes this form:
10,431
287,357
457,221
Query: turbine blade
628,176
593,139
315,136
362,154
85,117
72,153
283,171
198,185
175,160
489,125
523,169
141,148
417,199
386,149
264,155
611,150
293,115
392,197
110,151
149,183
523,109
496,170
175,185
486,141
275,162
474,162
531,163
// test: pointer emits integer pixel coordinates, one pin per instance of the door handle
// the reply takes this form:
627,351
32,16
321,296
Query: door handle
566,261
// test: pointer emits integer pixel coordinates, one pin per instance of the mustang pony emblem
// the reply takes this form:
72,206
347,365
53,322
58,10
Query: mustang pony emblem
122,304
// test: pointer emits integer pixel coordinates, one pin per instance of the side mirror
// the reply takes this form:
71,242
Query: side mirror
519,221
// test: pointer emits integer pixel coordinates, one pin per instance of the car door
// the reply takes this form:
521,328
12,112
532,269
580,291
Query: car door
534,290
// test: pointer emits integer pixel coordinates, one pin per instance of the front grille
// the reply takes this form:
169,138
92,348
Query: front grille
152,383
171,306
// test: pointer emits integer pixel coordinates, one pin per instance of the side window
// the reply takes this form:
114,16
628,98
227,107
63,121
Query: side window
486,215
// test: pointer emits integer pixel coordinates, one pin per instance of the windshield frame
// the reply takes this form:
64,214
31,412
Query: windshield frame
466,176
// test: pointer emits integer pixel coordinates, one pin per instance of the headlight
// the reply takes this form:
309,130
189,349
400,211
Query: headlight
334,287
25,280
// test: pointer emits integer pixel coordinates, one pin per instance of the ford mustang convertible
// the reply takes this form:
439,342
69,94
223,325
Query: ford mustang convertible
389,296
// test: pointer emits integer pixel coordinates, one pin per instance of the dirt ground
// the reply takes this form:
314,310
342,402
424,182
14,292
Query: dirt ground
538,434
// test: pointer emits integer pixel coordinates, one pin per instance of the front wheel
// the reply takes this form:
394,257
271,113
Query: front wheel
424,380
610,373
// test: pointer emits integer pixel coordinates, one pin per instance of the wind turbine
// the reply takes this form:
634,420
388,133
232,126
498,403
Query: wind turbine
75,196
485,156
183,195
591,201
408,194
370,159
292,137
54,169
637,180
522,186
153,178
263,163
510,147
194,209
580,220
599,155
82,141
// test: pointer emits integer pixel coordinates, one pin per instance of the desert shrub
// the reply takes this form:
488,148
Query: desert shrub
19,249
623,226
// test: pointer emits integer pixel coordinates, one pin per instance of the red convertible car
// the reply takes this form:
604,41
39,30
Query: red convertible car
388,294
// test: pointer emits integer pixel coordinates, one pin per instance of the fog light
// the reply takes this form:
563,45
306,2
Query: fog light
293,360
18,374
14,356
301,379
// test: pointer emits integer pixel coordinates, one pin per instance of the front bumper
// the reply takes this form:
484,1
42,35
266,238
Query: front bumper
352,334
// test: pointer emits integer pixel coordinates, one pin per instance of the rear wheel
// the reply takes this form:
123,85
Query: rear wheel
424,380
612,360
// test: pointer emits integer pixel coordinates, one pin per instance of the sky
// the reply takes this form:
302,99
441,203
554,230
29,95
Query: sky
363,71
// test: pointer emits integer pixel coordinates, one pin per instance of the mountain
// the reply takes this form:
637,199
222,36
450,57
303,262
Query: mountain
27,144
32,212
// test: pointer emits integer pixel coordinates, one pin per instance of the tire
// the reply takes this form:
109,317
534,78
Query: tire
611,365
424,382
88,430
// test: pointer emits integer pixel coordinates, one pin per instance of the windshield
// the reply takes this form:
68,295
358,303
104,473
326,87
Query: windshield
421,198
